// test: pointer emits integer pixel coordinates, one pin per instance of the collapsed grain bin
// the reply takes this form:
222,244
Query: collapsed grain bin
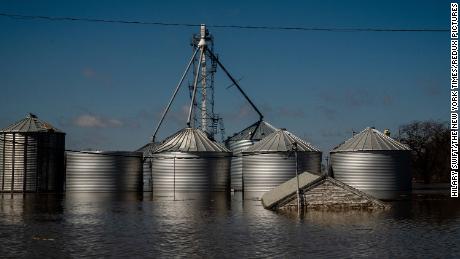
104,171
188,162
240,142
272,161
146,151
31,157
374,163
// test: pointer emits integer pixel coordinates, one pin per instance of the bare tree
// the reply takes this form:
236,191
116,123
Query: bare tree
429,141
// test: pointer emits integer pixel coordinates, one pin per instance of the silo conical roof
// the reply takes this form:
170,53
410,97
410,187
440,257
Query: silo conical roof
148,148
281,141
256,131
189,140
30,124
370,139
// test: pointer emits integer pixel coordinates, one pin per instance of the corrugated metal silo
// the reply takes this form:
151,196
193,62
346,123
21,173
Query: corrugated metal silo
374,163
147,150
271,162
240,142
189,162
31,157
107,171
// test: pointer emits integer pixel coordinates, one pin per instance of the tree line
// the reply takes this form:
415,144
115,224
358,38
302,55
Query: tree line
430,144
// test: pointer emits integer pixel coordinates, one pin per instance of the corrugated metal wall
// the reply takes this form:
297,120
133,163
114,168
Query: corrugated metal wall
33,161
240,145
237,172
382,174
237,162
263,172
147,165
147,175
52,151
104,172
190,172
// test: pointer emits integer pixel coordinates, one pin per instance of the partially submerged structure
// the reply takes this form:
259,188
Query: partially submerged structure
373,163
276,159
318,192
241,141
191,160
188,162
103,171
31,157
249,136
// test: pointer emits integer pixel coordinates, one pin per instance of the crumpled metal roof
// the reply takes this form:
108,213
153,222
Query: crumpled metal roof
31,124
256,131
148,148
281,141
368,140
189,140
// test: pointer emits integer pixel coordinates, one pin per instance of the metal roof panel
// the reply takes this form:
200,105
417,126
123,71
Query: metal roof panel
281,141
370,139
256,131
30,124
147,148
189,140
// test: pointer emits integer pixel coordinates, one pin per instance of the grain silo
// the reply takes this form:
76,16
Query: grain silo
189,162
240,142
272,161
104,171
374,163
31,157
147,150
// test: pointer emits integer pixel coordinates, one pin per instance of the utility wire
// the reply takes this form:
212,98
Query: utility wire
272,28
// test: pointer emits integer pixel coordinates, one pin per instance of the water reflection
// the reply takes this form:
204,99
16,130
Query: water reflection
219,225
27,224
16,208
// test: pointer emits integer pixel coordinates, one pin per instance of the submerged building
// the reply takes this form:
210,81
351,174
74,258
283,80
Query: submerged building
276,159
190,162
318,192
104,171
373,163
31,157
242,141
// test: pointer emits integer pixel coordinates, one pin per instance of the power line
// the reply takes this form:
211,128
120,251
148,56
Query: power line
73,19
250,27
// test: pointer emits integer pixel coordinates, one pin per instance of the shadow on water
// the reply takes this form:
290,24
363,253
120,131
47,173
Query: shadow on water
219,225
422,226
27,224
17,208
436,209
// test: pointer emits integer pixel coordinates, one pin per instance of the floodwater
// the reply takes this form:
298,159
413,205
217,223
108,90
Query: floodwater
132,226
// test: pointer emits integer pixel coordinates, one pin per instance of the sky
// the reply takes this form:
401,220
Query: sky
106,84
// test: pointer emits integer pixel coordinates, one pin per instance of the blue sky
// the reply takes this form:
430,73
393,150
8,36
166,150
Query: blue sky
106,84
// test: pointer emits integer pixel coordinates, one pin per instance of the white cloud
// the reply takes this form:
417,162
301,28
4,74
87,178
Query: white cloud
93,121
97,76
